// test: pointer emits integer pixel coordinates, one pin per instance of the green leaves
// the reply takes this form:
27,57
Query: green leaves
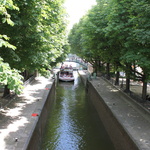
4,5
4,43
114,31
39,29
38,35
10,77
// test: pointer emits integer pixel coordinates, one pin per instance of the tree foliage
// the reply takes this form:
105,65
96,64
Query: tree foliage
8,76
117,33
6,18
38,33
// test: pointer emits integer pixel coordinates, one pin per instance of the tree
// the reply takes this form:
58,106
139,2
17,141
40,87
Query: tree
11,78
38,33
6,18
93,41
117,33
139,41
8,77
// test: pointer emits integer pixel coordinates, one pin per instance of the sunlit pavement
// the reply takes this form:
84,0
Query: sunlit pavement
134,118
18,118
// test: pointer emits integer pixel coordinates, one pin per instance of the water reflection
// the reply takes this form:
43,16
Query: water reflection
74,124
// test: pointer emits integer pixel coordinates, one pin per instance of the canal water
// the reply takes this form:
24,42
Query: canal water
74,123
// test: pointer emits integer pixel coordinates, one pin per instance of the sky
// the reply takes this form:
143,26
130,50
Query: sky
76,9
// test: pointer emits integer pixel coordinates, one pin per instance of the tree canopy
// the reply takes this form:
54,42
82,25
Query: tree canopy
36,30
116,33
8,76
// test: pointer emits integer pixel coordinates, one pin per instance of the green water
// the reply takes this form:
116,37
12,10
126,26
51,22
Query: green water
73,123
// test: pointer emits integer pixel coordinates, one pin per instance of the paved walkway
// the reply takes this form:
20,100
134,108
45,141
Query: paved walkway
18,118
134,118
135,87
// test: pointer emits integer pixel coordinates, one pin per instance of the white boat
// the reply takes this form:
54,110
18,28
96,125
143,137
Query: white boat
66,74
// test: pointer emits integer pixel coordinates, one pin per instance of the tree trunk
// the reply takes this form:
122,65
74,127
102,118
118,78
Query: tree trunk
127,90
26,75
144,90
128,70
99,65
6,91
96,66
108,71
117,78
36,73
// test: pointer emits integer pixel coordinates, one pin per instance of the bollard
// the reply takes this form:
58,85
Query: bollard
94,75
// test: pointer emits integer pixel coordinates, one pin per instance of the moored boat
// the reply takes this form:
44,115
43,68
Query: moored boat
66,74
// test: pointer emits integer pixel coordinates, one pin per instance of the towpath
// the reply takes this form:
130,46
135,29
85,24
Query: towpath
132,116
18,118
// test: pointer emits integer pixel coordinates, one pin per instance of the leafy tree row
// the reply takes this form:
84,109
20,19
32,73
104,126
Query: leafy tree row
37,36
115,35
9,77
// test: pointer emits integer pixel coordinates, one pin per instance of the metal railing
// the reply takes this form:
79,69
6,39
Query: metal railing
79,61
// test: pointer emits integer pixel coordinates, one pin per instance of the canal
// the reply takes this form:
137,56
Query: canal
73,123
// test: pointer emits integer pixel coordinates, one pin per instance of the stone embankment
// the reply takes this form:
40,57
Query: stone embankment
127,122
22,122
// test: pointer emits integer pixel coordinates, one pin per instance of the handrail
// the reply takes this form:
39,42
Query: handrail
81,62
